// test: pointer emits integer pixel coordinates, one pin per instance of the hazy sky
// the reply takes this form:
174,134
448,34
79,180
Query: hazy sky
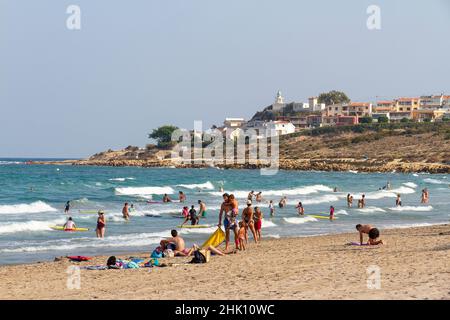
136,65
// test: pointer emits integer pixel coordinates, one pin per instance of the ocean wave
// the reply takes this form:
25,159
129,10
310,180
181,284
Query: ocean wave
412,208
203,186
9,162
434,181
141,191
29,226
371,210
282,192
121,179
275,236
410,184
380,194
35,207
209,230
267,224
342,212
68,245
299,220
321,199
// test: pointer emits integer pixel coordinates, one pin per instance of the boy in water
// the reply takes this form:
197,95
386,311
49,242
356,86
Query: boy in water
398,201
69,225
202,208
300,209
67,208
373,233
271,208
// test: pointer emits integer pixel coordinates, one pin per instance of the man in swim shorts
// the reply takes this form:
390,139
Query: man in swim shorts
229,222
372,232
202,209
176,243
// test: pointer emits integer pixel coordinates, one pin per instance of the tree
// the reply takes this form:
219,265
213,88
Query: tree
383,119
404,120
365,120
333,97
163,135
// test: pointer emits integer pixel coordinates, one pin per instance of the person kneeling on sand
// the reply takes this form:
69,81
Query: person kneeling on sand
176,244
373,233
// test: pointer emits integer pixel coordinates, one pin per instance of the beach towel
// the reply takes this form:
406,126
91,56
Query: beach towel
215,239
94,268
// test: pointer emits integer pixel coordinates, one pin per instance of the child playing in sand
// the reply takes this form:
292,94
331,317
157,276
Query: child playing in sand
241,236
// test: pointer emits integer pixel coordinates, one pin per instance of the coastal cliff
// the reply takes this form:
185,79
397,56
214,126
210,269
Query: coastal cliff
423,148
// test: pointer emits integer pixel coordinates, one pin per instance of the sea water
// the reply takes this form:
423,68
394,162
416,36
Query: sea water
32,198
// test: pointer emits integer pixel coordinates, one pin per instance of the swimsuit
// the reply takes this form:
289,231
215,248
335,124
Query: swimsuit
258,224
230,221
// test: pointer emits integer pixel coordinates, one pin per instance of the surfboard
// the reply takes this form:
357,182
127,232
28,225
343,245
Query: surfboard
61,228
88,211
321,217
197,226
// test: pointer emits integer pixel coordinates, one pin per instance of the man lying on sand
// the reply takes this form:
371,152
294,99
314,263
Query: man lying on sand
373,233
176,244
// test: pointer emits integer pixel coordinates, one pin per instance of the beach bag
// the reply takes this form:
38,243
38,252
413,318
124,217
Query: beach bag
168,253
131,265
201,256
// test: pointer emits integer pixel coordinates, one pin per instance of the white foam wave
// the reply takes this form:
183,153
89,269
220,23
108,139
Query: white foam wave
35,207
321,199
28,226
412,208
371,210
141,191
69,245
209,230
121,179
410,184
282,192
275,236
203,186
342,212
434,181
299,220
267,224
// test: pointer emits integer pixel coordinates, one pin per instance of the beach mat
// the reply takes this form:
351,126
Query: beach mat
215,239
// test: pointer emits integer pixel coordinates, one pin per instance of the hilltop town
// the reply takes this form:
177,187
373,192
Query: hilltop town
403,135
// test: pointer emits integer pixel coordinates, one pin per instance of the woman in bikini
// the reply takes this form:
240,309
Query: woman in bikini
101,224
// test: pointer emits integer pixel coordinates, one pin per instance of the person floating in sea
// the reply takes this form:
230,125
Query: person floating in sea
132,208
282,202
101,225
247,217
300,209
67,207
398,201
69,225
202,209
331,213
372,232
229,222
257,217
181,196
349,200
166,198
271,208
125,211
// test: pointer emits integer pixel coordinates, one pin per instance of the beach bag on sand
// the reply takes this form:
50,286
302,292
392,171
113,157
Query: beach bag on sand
201,256
168,253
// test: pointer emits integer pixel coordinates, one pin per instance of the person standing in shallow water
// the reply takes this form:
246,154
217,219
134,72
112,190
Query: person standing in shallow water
349,200
101,225
67,207
125,211
300,209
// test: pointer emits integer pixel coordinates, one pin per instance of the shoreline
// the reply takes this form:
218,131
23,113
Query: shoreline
413,262
328,165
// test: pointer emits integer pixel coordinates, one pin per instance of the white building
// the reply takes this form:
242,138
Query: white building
234,122
315,105
300,107
271,128
279,102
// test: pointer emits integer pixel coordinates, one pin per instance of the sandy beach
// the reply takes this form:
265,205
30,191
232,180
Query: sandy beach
414,264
